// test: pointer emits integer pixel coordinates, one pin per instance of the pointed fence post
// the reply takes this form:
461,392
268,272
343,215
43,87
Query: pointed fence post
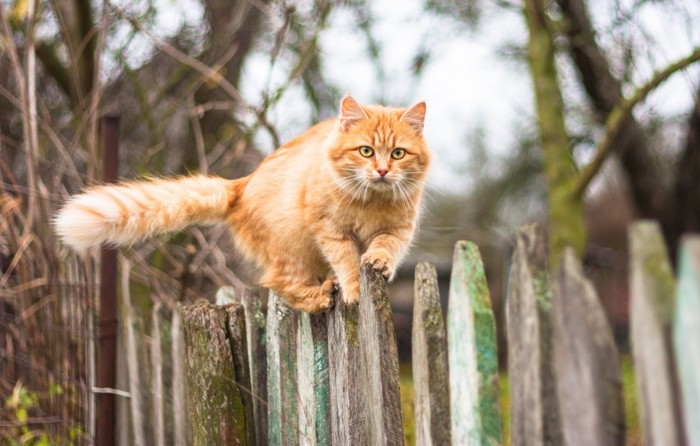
533,399
381,362
282,416
653,295
586,361
473,358
686,335
347,398
430,371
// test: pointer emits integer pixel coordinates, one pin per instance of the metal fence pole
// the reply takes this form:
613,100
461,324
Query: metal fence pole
108,326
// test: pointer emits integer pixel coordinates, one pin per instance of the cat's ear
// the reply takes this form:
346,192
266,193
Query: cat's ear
415,116
350,112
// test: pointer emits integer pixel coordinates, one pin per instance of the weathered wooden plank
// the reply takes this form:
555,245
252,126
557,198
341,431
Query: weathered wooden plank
180,426
282,416
345,364
533,399
158,400
378,349
586,361
257,359
686,335
215,403
472,352
313,384
236,334
135,361
226,295
431,391
653,290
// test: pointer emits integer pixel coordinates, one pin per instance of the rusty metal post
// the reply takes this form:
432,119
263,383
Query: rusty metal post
108,326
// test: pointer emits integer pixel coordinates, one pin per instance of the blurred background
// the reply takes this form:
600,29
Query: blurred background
528,101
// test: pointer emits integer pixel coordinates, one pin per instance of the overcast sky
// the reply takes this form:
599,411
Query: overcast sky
468,83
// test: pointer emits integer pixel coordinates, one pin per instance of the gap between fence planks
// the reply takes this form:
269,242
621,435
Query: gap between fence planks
653,301
586,361
685,336
533,405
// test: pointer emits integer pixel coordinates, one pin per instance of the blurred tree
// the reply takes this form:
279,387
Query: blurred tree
560,32
566,184
670,202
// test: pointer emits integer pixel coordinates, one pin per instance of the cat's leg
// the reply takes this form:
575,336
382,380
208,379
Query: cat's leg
386,249
300,293
344,257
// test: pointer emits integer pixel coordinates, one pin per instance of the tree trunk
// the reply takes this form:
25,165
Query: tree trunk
233,29
682,212
565,209
605,92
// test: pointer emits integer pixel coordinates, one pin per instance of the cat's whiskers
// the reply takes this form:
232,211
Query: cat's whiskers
357,184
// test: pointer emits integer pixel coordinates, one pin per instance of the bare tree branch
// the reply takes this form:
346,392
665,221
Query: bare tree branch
619,116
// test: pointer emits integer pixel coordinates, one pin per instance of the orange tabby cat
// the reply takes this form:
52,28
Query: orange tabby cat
346,191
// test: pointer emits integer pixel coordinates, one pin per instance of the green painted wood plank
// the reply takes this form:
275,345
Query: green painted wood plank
533,400
687,333
381,361
312,369
586,361
653,302
473,358
430,370
282,412
345,364
257,359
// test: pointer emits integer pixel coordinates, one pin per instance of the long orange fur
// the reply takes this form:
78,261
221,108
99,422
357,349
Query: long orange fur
309,215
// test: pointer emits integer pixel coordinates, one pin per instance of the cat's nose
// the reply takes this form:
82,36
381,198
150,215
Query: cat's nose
382,172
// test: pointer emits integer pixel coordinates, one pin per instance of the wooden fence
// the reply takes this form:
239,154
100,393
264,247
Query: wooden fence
288,378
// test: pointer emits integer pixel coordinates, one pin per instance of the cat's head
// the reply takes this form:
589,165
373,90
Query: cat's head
380,149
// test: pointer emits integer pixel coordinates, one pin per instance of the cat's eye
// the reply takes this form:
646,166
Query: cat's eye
366,151
397,154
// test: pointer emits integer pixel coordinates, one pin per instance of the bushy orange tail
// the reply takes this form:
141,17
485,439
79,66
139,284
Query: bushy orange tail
125,213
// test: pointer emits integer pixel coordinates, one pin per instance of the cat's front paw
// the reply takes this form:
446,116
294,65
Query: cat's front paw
380,261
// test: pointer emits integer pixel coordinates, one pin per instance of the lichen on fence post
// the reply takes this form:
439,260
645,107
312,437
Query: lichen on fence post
430,372
533,399
586,361
653,296
472,352
215,400
685,336
347,399
282,416
381,362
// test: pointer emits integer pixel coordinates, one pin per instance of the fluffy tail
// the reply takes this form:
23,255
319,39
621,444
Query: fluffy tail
128,212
